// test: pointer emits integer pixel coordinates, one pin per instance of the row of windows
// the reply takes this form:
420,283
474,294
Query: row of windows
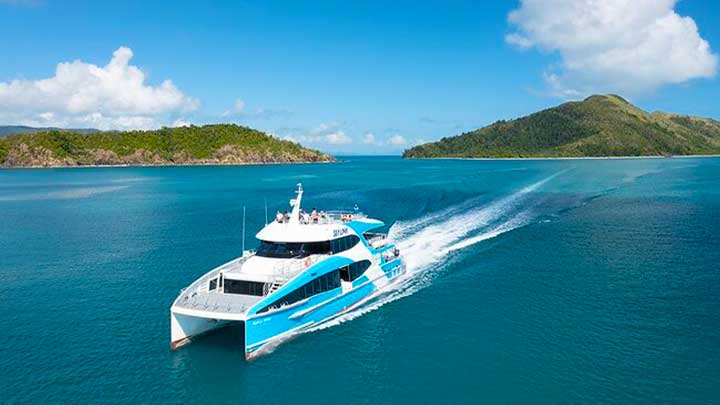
355,270
321,284
292,250
342,244
326,282
244,287
299,250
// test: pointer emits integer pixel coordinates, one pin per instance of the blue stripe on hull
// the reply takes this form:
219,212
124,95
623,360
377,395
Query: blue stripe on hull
265,328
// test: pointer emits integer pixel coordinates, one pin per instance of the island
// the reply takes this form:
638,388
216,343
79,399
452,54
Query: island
599,126
221,144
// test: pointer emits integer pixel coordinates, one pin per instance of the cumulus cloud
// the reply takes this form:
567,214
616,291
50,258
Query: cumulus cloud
369,139
181,123
237,108
338,138
324,128
327,133
613,45
114,96
396,140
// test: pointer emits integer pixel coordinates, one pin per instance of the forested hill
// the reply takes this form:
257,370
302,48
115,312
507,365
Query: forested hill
600,125
22,129
209,144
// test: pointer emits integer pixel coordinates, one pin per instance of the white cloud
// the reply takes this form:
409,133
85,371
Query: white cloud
114,96
369,139
327,133
337,138
237,108
324,128
396,140
613,45
181,123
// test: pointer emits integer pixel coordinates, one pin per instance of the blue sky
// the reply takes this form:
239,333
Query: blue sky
348,77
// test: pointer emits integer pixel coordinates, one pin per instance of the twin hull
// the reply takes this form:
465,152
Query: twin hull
261,330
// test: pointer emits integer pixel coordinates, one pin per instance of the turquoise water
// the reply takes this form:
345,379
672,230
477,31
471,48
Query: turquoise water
530,281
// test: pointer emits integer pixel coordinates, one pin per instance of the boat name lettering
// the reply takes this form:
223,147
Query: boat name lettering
260,321
339,232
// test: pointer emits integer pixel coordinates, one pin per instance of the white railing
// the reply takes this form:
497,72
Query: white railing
328,217
201,284
283,272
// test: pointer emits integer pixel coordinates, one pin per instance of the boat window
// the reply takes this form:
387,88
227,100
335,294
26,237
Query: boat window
212,285
326,282
358,268
345,273
244,287
355,270
292,250
342,244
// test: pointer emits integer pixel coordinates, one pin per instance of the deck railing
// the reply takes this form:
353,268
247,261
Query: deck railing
283,272
330,217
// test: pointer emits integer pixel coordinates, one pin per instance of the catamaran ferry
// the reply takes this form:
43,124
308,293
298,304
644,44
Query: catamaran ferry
308,269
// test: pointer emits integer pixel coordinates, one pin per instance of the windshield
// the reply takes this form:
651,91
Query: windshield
292,250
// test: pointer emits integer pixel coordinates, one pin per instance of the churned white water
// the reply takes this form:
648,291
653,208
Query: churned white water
426,243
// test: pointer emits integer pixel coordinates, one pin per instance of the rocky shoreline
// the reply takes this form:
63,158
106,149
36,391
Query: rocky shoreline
217,144
24,156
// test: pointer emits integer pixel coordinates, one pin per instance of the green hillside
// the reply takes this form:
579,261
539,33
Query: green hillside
600,125
209,144
6,130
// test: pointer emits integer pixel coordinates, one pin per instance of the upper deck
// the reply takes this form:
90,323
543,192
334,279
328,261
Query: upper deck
300,226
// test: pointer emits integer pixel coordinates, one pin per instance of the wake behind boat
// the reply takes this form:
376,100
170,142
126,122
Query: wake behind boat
308,269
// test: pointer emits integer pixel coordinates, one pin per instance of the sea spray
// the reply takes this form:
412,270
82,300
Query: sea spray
426,242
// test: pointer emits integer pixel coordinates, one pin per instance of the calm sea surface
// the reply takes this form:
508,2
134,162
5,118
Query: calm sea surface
530,282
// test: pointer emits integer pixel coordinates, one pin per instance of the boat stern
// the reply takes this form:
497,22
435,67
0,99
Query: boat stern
184,327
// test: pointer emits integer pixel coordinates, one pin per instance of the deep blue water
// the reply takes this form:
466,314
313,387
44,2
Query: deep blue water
531,282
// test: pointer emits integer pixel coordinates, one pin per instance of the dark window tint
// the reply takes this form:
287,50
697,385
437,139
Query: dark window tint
244,287
342,244
345,273
292,250
355,270
321,284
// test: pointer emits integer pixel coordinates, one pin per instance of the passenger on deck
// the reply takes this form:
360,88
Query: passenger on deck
279,217
286,217
305,218
314,216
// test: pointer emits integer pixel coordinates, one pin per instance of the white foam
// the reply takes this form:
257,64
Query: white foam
426,242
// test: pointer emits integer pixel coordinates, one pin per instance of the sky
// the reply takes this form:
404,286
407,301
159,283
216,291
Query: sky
362,77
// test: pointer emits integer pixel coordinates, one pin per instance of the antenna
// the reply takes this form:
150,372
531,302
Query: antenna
243,232
295,204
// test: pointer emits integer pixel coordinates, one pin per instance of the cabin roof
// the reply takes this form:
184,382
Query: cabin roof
298,232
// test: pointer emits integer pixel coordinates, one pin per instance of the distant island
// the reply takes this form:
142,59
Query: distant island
192,145
599,126
6,130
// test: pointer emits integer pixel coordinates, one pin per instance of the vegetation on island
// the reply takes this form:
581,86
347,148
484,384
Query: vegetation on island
600,125
23,129
208,144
